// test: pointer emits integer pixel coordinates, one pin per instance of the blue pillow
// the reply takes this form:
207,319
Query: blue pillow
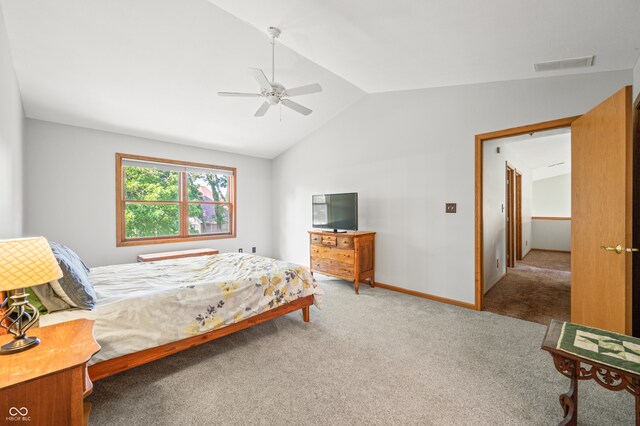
74,287
69,254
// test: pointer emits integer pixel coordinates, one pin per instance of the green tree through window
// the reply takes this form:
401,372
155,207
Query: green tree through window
153,201
151,219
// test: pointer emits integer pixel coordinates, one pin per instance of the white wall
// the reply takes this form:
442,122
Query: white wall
552,196
494,197
407,154
11,142
70,197
552,234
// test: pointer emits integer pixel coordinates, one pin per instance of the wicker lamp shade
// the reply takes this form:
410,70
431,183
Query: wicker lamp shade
26,262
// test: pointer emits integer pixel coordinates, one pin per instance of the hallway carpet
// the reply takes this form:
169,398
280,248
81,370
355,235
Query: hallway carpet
538,289
380,358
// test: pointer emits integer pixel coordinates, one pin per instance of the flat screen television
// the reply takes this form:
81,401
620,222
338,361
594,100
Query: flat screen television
336,211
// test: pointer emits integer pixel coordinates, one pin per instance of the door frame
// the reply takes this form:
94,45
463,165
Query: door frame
510,254
518,214
479,140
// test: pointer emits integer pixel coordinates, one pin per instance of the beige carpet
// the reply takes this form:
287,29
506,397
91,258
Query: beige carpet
538,289
380,358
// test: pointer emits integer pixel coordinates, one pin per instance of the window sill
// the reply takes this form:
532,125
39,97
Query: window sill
168,240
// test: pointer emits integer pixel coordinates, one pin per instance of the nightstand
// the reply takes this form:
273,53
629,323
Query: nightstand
46,385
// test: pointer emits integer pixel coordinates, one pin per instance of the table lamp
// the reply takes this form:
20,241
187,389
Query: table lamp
24,262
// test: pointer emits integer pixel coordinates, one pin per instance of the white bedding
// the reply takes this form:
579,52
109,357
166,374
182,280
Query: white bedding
143,305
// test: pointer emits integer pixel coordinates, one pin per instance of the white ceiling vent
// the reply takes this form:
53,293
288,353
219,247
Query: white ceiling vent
563,64
556,164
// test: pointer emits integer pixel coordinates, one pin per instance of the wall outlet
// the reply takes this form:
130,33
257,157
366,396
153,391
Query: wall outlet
450,207
239,250
253,250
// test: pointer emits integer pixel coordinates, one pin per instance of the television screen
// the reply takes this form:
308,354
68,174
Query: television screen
336,211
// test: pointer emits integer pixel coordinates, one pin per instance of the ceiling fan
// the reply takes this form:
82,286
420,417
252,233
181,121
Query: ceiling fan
275,93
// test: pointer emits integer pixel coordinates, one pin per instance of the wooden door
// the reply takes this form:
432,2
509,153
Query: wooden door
518,215
510,214
601,211
635,274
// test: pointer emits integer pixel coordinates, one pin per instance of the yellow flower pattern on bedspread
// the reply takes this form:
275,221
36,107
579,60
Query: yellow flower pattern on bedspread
259,284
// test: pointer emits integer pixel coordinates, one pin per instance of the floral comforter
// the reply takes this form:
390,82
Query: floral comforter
143,305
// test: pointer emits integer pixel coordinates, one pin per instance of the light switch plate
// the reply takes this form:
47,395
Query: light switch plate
450,207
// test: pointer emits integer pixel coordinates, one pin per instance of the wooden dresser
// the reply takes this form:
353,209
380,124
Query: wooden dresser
46,385
348,255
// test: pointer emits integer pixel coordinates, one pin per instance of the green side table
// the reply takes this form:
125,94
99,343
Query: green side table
584,353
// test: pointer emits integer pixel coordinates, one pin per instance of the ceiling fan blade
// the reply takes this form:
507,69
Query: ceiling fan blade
263,109
240,95
296,107
262,80
303,90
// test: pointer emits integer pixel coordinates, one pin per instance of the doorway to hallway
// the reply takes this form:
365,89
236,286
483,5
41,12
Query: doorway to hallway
529,235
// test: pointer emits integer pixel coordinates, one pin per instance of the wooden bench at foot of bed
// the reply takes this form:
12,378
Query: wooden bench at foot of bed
116,365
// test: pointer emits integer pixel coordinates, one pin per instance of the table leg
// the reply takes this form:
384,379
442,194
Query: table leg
569,400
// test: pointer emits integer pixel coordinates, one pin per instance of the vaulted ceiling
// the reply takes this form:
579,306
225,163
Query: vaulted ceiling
409,44
152,68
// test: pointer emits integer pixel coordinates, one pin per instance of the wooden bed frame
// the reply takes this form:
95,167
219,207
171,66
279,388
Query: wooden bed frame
116,365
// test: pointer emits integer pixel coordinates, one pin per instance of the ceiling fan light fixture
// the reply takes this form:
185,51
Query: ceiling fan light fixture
275,93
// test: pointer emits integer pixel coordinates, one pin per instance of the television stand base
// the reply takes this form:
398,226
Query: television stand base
335,231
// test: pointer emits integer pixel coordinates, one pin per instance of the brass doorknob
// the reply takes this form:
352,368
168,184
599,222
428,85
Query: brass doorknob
618,249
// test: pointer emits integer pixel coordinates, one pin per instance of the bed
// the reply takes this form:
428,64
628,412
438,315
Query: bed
145,311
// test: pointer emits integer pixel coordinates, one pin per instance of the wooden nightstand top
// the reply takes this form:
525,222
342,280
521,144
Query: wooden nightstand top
62,346
152,257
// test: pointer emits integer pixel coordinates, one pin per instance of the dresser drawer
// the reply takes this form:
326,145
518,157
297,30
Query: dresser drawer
333,267
345,242
329,240
342,255
316,239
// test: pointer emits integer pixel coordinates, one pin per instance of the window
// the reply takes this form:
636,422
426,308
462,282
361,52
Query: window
164,201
